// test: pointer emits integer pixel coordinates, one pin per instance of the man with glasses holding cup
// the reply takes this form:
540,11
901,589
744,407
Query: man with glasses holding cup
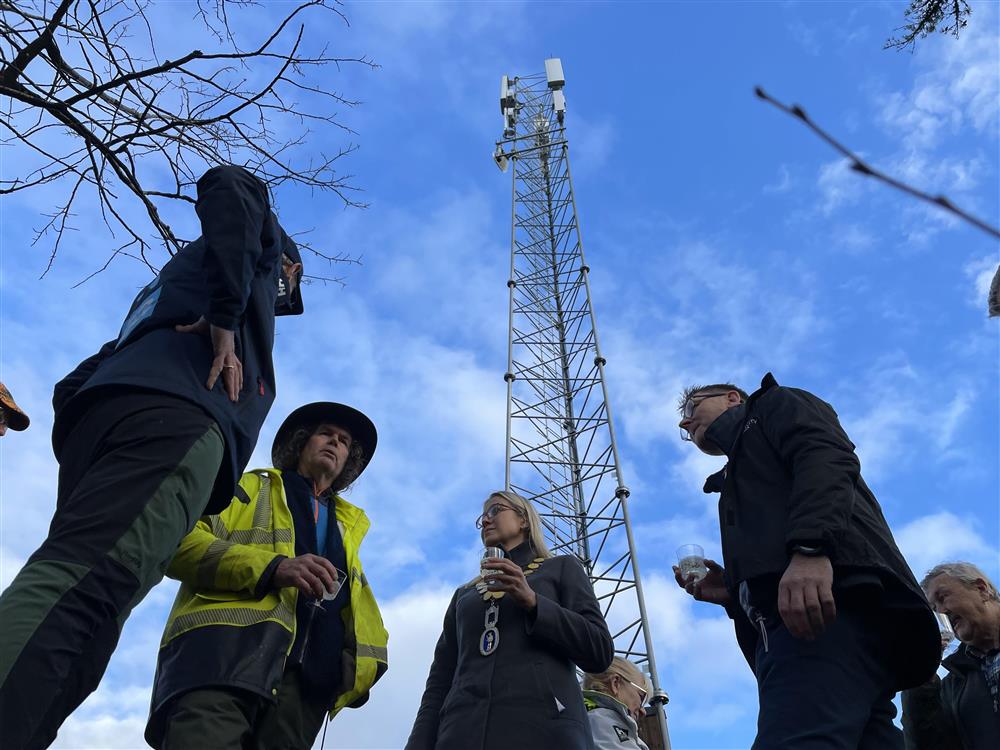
827,612
274,626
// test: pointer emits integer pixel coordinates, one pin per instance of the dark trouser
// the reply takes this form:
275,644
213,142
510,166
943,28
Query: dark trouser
136,473
233,719
833,693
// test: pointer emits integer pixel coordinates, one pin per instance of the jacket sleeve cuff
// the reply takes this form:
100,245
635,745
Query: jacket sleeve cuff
810,537
537,618
224,320
264,583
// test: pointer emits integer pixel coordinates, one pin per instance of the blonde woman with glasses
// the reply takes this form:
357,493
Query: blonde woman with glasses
615,700
504,669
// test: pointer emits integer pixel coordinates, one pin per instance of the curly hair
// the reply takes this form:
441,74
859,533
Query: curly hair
286,457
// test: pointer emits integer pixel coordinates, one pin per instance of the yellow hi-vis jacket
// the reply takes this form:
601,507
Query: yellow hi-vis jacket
220,564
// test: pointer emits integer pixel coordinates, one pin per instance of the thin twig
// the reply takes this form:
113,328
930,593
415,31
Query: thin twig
993,301
859,166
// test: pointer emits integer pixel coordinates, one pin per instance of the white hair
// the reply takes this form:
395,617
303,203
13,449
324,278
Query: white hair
964,572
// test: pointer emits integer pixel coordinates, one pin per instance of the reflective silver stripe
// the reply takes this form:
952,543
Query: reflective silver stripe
262,513
240,616
261,536
218,527
379,653
208,566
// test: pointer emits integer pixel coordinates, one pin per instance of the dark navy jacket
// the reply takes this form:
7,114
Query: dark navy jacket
229,275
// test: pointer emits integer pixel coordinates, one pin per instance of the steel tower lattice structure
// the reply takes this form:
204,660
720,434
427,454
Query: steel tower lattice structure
561,449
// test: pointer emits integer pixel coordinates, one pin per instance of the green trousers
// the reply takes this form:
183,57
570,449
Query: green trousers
234,719
135,475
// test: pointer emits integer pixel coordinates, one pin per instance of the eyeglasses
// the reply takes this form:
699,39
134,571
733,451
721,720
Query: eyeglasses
642,692
687,410
491,513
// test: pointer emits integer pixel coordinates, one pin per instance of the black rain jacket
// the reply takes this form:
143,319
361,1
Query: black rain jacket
230,276
793,478
955,713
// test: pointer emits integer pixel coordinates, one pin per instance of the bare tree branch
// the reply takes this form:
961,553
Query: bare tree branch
92,103
862,168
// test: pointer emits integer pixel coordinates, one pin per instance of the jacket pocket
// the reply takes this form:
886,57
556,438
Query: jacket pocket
552,706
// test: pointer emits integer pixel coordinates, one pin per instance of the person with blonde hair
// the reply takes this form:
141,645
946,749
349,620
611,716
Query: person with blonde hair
614,700
504,669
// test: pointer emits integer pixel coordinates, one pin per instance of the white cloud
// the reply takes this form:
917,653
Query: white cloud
959,86
981,271
805,37
890,423
853,238
413,620
784,182
838,185
941,537
696,648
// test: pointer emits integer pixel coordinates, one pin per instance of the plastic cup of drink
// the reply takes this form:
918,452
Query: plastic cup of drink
691,561
944,625
341,579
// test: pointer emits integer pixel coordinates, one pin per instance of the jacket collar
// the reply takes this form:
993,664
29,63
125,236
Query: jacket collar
596,699
727,429
965,659
351,517
522,554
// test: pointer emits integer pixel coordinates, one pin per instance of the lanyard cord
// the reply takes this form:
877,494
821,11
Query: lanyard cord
315,498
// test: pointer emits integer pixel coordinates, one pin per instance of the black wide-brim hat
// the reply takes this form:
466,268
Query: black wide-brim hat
312,415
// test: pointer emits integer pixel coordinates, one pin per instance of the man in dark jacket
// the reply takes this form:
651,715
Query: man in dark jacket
962,711
827,612
151,432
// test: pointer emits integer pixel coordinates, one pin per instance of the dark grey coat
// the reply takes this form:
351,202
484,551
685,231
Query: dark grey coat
955,713
525,695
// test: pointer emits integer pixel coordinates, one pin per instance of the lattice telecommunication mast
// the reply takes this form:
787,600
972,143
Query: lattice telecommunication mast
561,450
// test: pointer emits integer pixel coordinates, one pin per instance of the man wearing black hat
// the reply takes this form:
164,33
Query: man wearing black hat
274,626
151,432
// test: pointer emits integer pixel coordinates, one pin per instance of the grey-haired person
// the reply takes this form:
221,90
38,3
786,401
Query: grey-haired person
504,669
961,711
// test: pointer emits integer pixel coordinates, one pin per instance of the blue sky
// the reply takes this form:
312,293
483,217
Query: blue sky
725,240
